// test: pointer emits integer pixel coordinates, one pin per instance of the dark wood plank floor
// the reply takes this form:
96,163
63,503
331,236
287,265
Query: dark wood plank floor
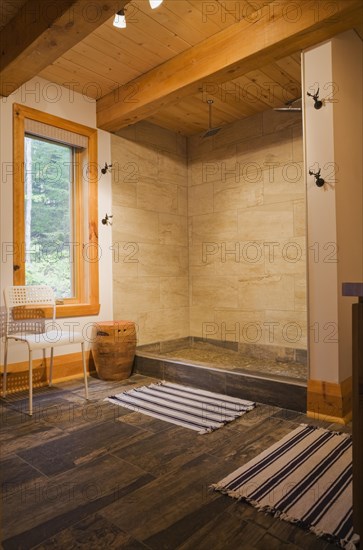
94,475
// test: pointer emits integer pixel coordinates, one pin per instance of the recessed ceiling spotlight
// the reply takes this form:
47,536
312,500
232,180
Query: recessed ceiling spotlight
155,3
120,20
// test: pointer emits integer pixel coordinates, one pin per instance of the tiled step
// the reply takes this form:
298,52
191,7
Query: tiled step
278,391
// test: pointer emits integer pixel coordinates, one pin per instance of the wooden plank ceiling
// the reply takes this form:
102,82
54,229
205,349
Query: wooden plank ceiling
111,57
107,58
9,8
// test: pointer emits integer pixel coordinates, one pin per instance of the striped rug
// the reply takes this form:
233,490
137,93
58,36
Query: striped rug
199,410
305,478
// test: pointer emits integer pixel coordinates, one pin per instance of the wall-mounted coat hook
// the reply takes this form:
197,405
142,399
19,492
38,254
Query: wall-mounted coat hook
317,102
318,180
107,220
106,168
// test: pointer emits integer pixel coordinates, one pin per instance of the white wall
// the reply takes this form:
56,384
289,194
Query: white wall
63,102
333,141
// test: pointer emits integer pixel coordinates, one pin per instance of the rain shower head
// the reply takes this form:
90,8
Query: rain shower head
289,108
211,131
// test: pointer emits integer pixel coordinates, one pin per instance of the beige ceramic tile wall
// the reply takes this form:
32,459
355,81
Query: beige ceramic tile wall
241,273
247,267
150,232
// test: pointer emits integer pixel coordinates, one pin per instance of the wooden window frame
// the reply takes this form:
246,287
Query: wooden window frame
86,267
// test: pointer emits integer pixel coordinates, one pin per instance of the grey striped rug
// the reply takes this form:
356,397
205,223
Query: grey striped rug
305,478
199,410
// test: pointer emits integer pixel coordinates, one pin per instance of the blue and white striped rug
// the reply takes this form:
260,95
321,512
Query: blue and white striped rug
199,410
305,478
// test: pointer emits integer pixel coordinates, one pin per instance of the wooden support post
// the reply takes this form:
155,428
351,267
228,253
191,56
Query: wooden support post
356,289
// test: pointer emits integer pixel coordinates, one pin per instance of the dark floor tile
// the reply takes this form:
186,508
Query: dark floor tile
162,452
70,416
253,441
246,512
274,543
260,415
309,541
286,414
176,534
92,533
120,479
71,449
282,530
49,507
26,435
225,532
16,474
168,498
44,399
145,422
326,424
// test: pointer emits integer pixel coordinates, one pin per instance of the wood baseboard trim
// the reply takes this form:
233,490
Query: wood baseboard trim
327,418
65,367
330,401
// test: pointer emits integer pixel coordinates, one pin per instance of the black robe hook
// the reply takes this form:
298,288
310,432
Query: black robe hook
318,180
317,103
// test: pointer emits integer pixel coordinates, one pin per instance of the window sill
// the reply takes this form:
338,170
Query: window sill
66,310
77,310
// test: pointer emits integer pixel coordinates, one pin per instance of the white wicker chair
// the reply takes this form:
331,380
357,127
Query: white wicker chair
33,332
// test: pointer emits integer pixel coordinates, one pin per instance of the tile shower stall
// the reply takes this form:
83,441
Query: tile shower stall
209,249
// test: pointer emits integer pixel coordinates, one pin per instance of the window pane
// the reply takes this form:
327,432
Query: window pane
49,215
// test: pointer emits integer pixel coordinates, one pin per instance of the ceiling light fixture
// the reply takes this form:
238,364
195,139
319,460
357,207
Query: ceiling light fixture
155,3
120,20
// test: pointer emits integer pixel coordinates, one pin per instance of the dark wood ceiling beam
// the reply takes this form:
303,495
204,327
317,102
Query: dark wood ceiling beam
278,30
42,31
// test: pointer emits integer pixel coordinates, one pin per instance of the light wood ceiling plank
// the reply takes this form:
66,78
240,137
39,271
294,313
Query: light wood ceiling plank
230,53
179,125
191,115
122,49
193,17
44,30
91,85
251,93
73,80
297,57
268,90
210,13
91,64
148,34
184,19
289,65
143,18
180,119
96,58
232,11
133,43
290,88
232,96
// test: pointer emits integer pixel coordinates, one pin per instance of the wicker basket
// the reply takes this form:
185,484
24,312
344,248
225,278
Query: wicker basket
114,349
